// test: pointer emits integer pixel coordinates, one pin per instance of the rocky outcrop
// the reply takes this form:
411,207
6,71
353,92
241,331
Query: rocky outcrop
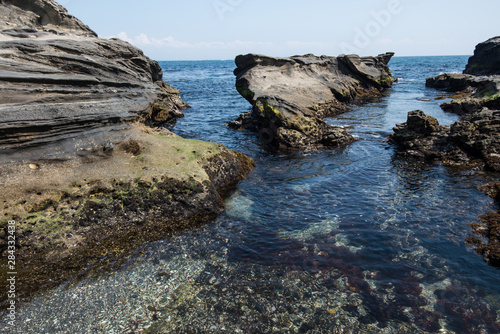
474,138
474,92
479,85
65,91
488,228
486,58
85,176
471,141
451,82
291,96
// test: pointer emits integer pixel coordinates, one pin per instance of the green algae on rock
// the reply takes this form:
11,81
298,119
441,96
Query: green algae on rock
92,215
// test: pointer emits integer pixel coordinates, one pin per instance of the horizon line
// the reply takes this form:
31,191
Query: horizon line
295,55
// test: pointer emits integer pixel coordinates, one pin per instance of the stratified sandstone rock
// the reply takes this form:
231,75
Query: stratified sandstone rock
486,59
291,96
84,176
65,92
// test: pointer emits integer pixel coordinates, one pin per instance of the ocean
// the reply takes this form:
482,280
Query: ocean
353,240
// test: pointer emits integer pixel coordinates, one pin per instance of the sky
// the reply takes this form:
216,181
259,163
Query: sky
222,29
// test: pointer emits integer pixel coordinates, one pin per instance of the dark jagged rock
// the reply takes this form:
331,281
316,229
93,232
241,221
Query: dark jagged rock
486,58
421,136
475,135
479,86
450,82
488,227
291,96
471,141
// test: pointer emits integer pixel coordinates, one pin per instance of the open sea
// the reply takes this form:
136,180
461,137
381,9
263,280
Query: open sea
354,240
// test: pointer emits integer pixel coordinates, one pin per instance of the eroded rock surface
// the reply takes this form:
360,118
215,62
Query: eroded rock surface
471,141
486,59
291,96
85,176
64,91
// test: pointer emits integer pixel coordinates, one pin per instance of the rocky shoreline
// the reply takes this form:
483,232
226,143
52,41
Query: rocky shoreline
472,142
291,96
89,178
86,175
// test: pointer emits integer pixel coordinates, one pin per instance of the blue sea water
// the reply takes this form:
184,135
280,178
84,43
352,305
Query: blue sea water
403,219
354,240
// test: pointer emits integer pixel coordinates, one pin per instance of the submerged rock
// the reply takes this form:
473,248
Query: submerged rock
291,96
488,227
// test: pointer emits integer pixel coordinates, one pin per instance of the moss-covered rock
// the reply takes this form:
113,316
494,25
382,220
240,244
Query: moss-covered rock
91,215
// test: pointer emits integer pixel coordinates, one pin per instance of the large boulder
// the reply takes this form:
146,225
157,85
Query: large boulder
291,96
486,58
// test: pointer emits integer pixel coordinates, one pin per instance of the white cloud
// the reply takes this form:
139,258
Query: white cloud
170,42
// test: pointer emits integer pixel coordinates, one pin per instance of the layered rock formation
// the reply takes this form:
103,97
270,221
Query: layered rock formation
84,176
63,88
291,96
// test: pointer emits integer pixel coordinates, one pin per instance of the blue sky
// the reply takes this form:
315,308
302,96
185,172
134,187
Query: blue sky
222,29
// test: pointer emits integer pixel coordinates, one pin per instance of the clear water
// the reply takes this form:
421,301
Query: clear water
354,240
